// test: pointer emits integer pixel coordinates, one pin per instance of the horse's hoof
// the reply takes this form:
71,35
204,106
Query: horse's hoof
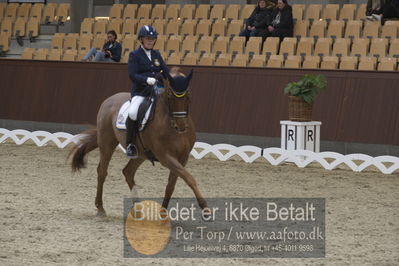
101,213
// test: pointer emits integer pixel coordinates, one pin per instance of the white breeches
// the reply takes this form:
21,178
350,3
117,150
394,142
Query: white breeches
134,106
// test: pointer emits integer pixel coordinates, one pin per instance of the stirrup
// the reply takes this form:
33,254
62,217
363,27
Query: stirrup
131,151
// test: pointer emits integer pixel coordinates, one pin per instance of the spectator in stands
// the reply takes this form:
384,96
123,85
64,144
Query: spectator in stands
282,23
145,65
259,19
382,9
111,51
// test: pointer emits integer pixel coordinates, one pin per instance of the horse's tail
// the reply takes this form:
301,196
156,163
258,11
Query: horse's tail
87,143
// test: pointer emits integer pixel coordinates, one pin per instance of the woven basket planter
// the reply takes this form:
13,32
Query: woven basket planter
299,110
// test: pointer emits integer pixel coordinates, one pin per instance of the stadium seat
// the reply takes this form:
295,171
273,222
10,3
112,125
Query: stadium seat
32,27
129,44
11,11
62,12
271,46
234,27
49,13
2,10
341,47
175,58
219,28
207,60
387,64
40,54
371,30
217,11
187,12
301,28
275,61
130,11
86,27
232,12
318,29
172,12
70,42
70,55
116,11
205,44
115,25
20,27
223,60
85,42
159,25
367,63
360,47
28,53
389,31
100,26
330,12
247,11
240,60
305,46
173,44
288,46
191,59
4,42
158,12
99,40
189,44
57,42
313,12
257,60
36,11
204,27
7,26
379,47
144,11
24,10
311,62
188,27
347,12
172,28
129,27
348,63
293,61
394,48
336,29
220,45
54,55
297,12
361,12
202,11
329,62
237,45
160,44
323,47
353,29
254,45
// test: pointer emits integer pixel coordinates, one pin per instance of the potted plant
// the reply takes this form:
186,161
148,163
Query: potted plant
302,95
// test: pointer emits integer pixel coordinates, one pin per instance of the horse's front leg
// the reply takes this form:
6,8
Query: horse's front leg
170,187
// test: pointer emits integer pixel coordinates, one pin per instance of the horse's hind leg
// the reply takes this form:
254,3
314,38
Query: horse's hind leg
106,152
130,170
178,169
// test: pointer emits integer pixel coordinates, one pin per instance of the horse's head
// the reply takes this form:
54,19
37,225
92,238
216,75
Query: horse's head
178,93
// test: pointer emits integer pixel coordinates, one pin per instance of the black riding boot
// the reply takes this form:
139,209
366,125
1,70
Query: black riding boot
131,131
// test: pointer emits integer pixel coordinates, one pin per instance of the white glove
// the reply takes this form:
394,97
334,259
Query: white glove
151,81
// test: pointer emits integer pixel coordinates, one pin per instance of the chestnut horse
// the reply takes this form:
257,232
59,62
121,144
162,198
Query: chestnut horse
170,136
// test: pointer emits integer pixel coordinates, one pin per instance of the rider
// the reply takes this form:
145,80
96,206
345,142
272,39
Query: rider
144,65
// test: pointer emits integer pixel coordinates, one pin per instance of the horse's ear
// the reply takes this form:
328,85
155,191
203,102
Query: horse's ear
190,75
169,78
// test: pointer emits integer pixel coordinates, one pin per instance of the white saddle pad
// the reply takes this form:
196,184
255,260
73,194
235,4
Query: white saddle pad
123,113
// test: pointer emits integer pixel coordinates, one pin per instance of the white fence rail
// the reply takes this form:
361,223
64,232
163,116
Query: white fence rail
275,156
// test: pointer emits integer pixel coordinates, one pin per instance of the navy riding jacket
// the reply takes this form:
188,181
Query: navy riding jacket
140,68
115,49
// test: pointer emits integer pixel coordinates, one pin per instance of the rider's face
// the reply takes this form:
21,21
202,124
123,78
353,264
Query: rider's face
148,42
